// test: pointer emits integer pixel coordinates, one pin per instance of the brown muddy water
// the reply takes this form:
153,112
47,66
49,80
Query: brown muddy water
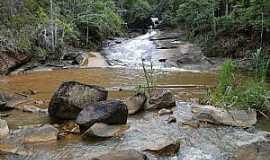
45,83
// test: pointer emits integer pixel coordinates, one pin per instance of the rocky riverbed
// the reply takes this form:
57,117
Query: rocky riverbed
179,134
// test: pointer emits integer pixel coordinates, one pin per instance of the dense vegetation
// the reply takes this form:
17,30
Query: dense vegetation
233,28
248,92
41,27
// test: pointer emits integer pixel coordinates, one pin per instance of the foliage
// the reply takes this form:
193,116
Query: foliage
260,64
226,76
86,21
249,93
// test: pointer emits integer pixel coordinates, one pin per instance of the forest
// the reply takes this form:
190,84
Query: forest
230,28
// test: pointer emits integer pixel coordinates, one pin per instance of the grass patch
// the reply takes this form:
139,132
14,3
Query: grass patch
233,92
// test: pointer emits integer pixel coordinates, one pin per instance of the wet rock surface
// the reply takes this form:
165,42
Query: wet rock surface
215,115
20,142
109,112
40,134
9,101
160,99
151,133
101,130
72,96
4,130
136,103
122,155
10,60
253,151
166,148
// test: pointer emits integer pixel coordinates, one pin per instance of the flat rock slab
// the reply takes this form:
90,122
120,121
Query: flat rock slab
254,151
122,155
101,130
240,118
41,134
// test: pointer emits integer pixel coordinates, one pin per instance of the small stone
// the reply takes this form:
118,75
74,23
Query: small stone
161,99
171,119
70,127
122,155
164,112
136,103
39,102
34,109
166,148
4,130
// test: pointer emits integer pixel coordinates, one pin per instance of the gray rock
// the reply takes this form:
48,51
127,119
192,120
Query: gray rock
101,130
161,99
240,118
4,130
164,112
136,103
43,134
11,59
122,155
254,151
109,112
167,147
71,98
171,119
34,109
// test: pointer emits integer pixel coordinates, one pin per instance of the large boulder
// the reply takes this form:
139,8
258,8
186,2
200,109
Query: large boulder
161,99
109,112
75,56
4,130
122,155
136,103
240,118
10,60
101,130
71,97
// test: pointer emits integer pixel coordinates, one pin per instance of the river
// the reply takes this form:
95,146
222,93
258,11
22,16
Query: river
121,78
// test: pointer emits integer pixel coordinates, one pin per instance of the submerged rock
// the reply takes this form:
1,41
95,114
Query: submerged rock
165,148
109,112
71,97
136,103
34,109
122,155
4,130
101,130
240,118
161,99
13,149
41,134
